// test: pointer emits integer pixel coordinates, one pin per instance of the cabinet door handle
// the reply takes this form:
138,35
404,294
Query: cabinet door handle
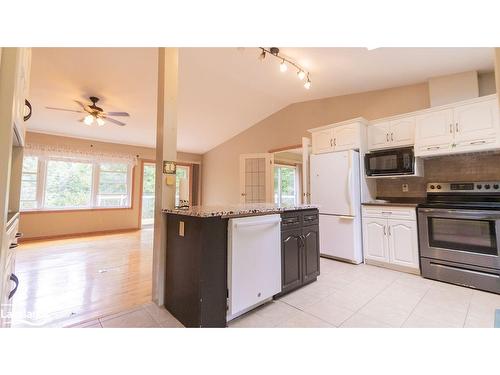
331,142
392,137
19,235
335,142
477,142
387,137
451,128
433,148
387,212
30,109
389,230
16,281
456,127
385,233
13,245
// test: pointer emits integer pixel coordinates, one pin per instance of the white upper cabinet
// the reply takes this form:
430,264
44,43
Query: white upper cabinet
336,138
403,132
476,124
322,141
378,135
466,127
392,134
434,132
21,89
346,137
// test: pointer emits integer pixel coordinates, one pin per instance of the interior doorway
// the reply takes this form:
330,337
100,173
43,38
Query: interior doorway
148,193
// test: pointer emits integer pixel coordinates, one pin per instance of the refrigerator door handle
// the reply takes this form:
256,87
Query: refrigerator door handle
349,186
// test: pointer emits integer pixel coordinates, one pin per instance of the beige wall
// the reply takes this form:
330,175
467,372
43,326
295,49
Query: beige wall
289,125
48,224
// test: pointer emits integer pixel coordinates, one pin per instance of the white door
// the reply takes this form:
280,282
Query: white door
403,245
476,122
378,136
402,132
330,183
434,132
322,141
346,137
256,178
375,244
306,153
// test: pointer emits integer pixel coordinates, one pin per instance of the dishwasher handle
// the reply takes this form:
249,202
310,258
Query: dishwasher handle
272,221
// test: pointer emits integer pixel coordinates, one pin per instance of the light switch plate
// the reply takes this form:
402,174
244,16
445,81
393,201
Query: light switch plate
405,188
181,228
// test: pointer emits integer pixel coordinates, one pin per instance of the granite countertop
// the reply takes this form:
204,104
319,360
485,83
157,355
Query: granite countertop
396,201
237,210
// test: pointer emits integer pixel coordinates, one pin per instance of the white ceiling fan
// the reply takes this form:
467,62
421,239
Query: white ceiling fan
94,113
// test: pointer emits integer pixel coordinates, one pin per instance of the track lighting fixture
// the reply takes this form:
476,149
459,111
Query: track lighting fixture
301,73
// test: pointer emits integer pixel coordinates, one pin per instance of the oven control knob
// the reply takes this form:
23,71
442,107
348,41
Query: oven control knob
487,186
438,187
432,187
479,186
495,186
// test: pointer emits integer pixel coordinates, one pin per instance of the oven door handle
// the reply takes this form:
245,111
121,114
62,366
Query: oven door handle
461,214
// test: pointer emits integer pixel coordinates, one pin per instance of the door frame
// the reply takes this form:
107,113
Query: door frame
141,186
269,157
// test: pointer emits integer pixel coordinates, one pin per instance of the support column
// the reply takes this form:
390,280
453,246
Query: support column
166,149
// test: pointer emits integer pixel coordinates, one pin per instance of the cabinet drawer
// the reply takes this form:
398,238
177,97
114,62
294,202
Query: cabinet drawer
310,218
390,212
291,220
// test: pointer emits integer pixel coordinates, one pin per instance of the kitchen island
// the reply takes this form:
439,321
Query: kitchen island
202,258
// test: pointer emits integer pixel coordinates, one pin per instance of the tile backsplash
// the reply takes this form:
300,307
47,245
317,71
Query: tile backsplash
465,167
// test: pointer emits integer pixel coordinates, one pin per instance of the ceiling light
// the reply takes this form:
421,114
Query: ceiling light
307,85
100,121
301,74
283,66
88,120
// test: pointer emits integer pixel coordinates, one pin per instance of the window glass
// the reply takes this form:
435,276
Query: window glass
29,181
113,185
285,185
182,186
68,184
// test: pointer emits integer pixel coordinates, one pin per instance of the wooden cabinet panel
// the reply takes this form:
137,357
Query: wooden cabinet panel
434,132
402,132
310,236
378,135
322,141
291,259
403,243
475,123
375,239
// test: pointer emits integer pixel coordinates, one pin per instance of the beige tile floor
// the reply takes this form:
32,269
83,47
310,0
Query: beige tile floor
350,296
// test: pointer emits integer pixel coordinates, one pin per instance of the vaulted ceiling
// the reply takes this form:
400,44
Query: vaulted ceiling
222,91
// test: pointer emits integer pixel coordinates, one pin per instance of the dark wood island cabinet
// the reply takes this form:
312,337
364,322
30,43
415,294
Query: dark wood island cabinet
196,288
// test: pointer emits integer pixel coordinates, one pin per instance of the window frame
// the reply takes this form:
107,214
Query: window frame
94,192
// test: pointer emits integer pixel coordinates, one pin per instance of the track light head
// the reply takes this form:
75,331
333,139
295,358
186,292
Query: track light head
262,56
283,66
301,75
307,85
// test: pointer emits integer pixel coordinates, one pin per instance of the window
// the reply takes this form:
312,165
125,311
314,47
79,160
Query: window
29,182
113,185
285,185
57,183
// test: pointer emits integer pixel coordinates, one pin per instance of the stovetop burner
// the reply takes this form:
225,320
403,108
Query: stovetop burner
483,195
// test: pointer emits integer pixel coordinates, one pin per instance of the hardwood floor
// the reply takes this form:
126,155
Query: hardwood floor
68,281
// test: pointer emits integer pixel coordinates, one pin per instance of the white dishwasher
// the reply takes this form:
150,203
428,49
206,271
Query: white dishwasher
254,262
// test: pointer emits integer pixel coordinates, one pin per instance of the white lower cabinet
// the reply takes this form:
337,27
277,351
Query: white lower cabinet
389,240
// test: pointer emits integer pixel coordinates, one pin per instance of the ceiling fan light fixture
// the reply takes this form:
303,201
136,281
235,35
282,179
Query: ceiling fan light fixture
100,121
88,120
301,75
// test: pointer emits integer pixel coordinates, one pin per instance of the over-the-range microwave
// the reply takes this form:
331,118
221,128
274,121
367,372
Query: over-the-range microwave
393,163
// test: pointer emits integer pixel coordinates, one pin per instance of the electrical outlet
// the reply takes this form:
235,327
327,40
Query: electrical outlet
405,188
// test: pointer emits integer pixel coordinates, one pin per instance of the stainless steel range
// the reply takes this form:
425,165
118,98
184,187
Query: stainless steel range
459,234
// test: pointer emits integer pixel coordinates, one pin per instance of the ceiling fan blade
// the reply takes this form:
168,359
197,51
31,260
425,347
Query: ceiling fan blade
114,121
64,109
81,104
117,114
